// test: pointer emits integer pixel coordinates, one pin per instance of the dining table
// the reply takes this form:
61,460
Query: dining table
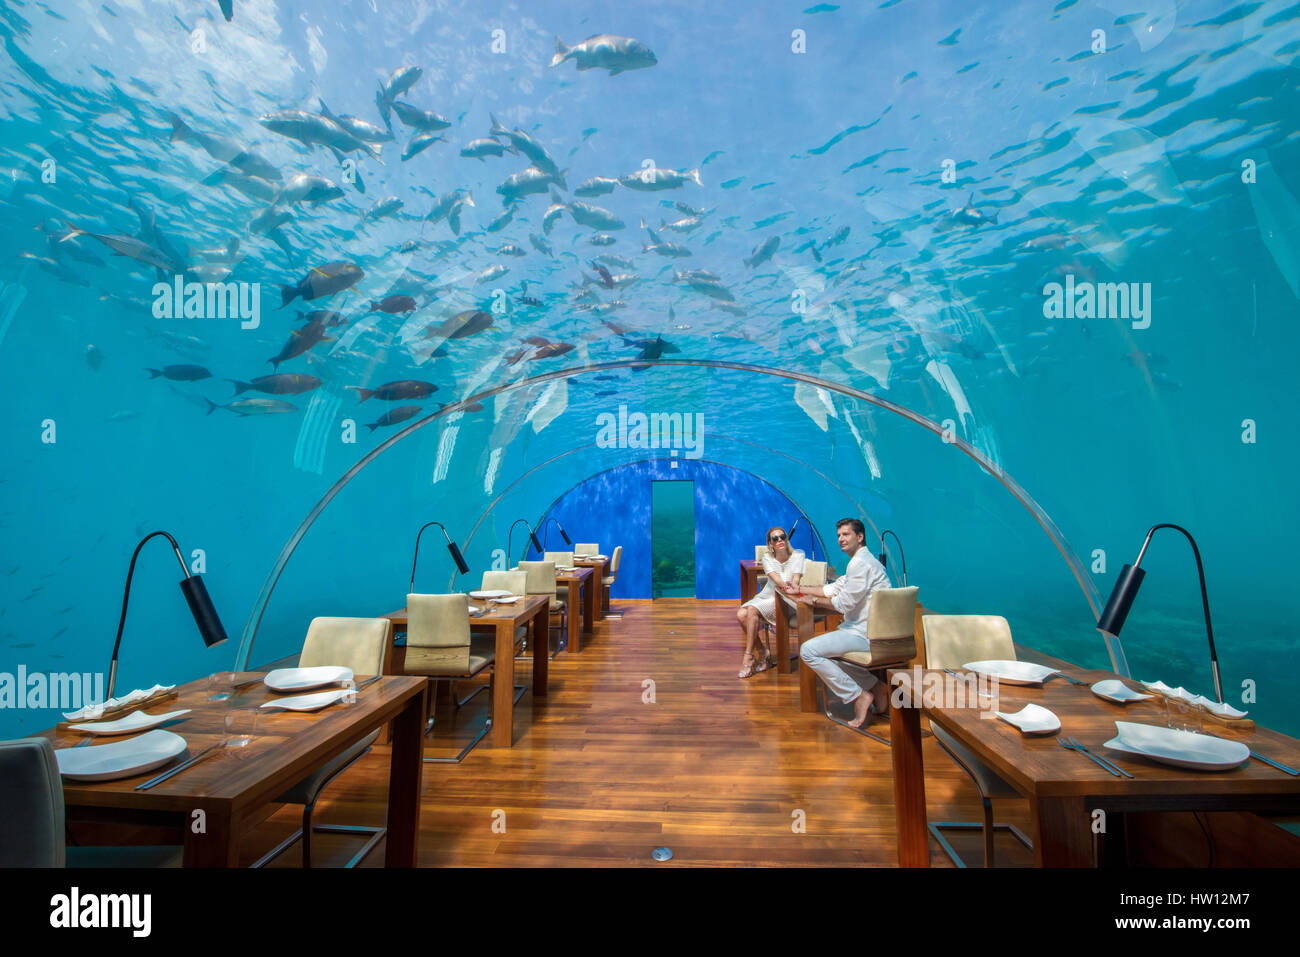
1077,806
598,565
532,611
749,572
580,586
227,788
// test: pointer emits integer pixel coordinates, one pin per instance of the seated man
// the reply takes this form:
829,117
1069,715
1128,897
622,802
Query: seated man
850,596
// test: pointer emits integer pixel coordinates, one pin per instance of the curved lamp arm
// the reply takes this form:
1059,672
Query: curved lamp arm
196,595
457,557
884,556
1126,588
563,534
531,534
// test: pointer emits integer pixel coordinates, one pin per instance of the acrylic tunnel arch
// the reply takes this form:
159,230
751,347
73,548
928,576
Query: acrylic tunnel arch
1036,512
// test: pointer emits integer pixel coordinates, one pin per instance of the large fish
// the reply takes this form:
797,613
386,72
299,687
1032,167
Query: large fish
245,407
477,149
968,215
180,373
605,51
384,207
654,179
393,305
300,340
402,80
224,150
448,205
419,143
248,185
305,188
314,129
283,383
595,186
528,181
764,251
392,391
594,217
127,246
420,119
323,281
358,127
462,325
525,144
400,414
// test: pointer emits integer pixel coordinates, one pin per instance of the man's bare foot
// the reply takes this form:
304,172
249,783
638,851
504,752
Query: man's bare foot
861,708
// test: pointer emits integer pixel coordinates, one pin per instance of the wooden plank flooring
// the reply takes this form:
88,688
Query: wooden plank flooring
715,768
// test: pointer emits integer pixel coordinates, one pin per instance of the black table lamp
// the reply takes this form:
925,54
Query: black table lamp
531,535
812,540
563,534
456,556
884,556
196,594
1126,589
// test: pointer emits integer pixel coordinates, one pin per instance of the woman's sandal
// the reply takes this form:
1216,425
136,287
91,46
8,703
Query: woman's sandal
750,671
767,661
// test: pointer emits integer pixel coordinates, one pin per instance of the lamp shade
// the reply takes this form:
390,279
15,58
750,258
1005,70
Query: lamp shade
458,558
1121,600
564,535
201,607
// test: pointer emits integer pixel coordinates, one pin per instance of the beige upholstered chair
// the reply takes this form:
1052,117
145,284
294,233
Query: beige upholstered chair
517,584
32,825
760,551
439,645
891,630
359,644
541,581
950,642
814,573
588,548
608,581
559,558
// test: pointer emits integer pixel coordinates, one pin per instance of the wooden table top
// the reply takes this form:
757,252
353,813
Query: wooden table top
286,746
578,574
495,613
1038,765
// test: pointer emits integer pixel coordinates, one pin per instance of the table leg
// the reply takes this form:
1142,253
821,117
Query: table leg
540,638
1062,832
744,584
503,681
574,616
909,785
807,677
591,603
782,640
404,767
597,577
218,845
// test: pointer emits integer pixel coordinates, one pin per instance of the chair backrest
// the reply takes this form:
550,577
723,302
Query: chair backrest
892,613
31,793
588,548
814,573
437,632
513,582
559,558
541,577
614,560
759,552
953,640
356,643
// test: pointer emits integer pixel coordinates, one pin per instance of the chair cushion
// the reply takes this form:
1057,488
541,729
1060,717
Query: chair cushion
305,790
986,779
884,651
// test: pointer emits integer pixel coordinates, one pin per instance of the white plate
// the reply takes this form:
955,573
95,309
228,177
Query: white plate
566,568
1181,749
135,721
300,679
1032,719
508,600
474,609
310,702
121,759
1012,672
489,593
1112,689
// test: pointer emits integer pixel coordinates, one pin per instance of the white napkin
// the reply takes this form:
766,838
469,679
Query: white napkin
92,712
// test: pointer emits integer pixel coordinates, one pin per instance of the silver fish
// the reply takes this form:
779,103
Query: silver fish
655,179
594,217
596,186
527,182
224,149
420,119
605,51
314,129
477,149
310,189
246,407
419,143
525,144
763,251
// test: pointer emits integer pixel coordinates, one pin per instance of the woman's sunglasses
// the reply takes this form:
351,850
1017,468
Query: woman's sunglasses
776,538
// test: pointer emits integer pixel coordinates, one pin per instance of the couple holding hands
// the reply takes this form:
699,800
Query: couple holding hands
848,596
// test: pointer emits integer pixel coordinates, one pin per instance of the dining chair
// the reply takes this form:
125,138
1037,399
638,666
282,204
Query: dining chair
814,573
517,584
559,558
891,631
359,644
33,826
541,581
439,645
587,548
760,552
950,642
608,582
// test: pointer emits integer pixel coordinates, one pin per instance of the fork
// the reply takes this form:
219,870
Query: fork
1075,745
1073,681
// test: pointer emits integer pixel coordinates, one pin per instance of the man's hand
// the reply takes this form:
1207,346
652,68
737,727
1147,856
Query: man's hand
790,589
808,600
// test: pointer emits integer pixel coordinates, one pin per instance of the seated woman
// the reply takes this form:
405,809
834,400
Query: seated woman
782,567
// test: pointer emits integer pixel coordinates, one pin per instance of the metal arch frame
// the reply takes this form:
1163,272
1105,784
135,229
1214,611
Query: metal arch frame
1010,484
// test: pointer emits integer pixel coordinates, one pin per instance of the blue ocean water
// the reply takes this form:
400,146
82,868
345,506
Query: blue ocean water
926,170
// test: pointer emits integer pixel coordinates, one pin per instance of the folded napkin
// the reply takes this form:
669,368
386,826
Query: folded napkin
93,712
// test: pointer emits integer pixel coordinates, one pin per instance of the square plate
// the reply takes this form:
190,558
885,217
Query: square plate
1112,689
1012,672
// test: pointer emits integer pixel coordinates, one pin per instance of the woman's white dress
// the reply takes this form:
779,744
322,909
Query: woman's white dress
765,601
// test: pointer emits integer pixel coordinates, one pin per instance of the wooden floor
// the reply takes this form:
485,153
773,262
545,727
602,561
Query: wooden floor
721,771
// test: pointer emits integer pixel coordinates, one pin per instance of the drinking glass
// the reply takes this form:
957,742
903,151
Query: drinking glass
1182,715
240,727
221,686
